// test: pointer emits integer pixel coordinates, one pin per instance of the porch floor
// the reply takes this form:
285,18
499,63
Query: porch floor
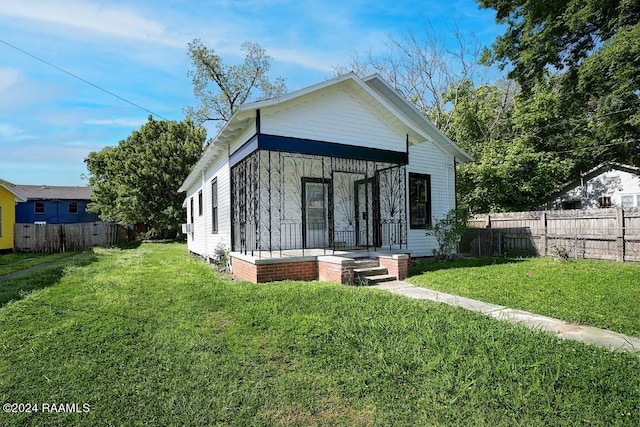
291,255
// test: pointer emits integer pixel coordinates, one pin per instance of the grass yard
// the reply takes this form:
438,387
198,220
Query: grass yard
597,293
12,262
18,287
152,336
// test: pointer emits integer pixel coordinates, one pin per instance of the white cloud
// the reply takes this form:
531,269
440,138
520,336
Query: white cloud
310,60
12,133
117,121
9,78
109,20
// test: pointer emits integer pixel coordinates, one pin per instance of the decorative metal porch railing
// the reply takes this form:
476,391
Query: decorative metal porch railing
392,235
279,200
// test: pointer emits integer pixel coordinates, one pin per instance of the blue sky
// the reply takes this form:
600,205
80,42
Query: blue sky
137,49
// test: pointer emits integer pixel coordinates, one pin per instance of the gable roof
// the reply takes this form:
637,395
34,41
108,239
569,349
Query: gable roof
592,173
436,136
54,192
373,87
11,189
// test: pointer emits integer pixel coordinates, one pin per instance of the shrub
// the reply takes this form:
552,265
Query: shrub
448,231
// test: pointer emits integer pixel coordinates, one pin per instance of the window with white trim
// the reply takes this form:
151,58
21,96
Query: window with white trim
626,201
214,205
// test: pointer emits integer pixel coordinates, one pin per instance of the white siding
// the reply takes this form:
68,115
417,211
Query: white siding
204,241
336,116
427,159
615,184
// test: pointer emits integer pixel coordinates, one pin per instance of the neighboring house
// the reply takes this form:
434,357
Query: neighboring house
8,199
54,204
605,186
340,167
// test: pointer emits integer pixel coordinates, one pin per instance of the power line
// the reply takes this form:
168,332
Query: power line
82,80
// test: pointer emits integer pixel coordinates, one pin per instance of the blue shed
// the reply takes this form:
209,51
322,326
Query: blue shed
54,204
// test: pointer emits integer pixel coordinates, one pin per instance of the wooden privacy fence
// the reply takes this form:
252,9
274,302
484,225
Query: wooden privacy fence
612,234
66,237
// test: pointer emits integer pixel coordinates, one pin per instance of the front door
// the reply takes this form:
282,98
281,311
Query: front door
316,201
366,215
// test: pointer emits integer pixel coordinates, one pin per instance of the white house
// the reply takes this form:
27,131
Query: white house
605,186
342,167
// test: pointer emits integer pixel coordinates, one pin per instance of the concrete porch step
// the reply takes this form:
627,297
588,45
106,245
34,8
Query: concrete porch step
374,280
370,271
366,263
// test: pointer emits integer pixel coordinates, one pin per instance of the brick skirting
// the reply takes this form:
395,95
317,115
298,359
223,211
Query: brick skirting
326,267
262,271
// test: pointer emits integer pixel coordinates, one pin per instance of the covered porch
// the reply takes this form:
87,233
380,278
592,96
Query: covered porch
309,210
287,204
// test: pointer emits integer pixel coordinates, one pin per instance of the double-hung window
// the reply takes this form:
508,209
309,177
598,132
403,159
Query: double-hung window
214,205
419,200
626,201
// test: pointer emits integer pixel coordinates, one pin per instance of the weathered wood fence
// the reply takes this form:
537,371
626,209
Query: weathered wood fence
612,234
66,237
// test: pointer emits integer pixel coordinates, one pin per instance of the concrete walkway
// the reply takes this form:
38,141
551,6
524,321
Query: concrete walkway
588,334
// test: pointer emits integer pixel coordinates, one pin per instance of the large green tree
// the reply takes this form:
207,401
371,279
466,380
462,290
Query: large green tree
514,139
222,88
137,181
555,35
506,134
586,51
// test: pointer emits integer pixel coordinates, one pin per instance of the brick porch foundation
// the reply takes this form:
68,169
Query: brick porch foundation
396,265
330,268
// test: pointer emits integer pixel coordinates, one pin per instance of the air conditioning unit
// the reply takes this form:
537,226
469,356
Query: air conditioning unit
187,228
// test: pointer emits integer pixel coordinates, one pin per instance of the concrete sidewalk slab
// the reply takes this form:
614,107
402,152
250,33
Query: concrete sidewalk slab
588,334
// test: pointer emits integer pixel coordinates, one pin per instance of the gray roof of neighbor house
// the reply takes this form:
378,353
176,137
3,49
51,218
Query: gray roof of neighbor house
53,192
11,189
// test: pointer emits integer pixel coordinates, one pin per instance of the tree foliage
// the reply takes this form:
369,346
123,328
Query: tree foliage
511,140
424,70
558,35
608,84
137,181
222,88
587,52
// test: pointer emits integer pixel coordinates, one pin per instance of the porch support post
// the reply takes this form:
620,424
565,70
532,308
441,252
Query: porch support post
329,217
282,204
404,231
270,200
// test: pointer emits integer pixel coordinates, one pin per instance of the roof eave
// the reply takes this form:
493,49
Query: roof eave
18,197
446,144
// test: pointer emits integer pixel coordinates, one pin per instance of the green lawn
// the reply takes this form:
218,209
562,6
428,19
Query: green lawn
152,336
50,269
597,293
19,261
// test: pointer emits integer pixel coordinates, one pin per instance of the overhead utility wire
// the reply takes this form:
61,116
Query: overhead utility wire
82,80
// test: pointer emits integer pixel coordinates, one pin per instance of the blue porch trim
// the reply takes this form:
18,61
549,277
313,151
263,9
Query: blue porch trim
289,144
